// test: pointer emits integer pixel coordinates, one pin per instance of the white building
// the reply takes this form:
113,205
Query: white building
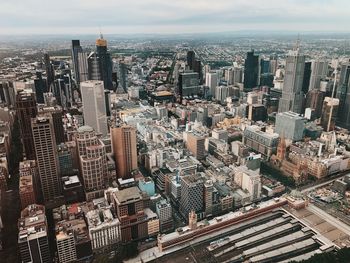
211,81
94,107
104,229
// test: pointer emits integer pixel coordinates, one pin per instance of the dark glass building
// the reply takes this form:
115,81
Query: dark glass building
251,71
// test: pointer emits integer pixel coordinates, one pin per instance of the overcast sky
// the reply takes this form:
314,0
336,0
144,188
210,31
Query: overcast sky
171,16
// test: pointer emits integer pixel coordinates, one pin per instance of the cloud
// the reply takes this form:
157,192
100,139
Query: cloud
170,16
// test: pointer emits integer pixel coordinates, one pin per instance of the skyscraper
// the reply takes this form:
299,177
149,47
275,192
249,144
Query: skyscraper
26,109
46,156
76,48
190,58
56,114
50,73
124,148
211,81
292,94
319,70
192,188
306,78
122,76
251,71
93,161
94,107
343,94
105,62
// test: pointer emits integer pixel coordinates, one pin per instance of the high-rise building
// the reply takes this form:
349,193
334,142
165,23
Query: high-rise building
191,195
93,170
251,71
329,109
306,78
314,100
26,109
195,144
291,125
129,208
28,183
94,107
122,76
221,94
319,70
93,161
56,114
76,49
40,87
191,56
46,156
211,81
343,94
50,73
94,71
124,148
33,240
165,215
197,67
292,94
105,62
83,66
188,84
104,228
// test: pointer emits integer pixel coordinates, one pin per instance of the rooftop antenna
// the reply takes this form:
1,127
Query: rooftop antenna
333,90
297,44
101,36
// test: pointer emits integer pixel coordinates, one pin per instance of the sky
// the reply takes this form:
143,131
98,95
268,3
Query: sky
171,16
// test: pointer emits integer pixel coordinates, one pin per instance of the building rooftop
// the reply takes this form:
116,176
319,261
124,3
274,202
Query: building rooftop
128,195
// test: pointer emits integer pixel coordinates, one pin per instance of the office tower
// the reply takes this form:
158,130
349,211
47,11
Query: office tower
237,75
191,198
251,71
76,48
195,144
273,64
46,156
291,125
306,78
94,70
343,94
328,103
319,70
93,171
264,66
56,114
266,79
129,209
165,215
94,107
249,180
292,93
211,81
221,94
83,66
197,67
33,235
105,62
28,182
188,84
40,87
50,73
93,161
190,58
122,76
208,197
62,90
314,100
124,148
26,109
